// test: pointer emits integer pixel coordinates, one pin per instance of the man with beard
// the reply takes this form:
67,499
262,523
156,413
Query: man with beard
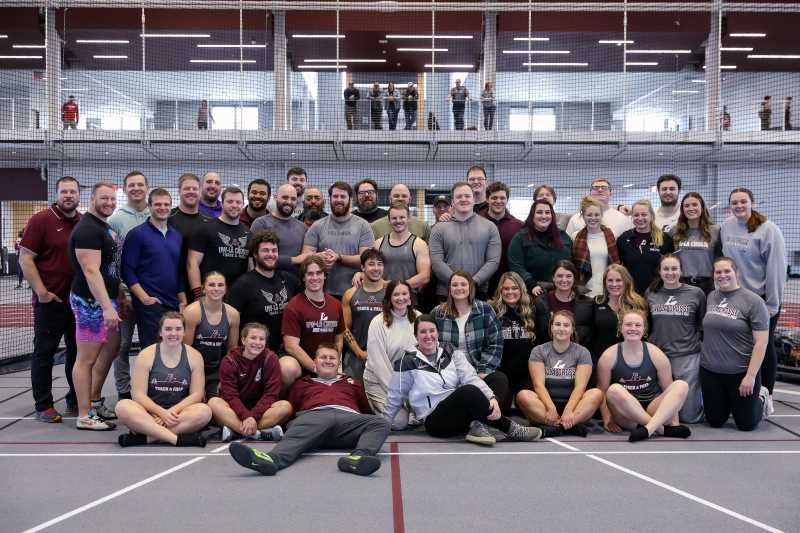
127,217
44,259
187,220
221,245
406,257
151,268
313,207
261,295
401,193
258,193
367,201
669,191
297,178
286,227
339,239
360,304
96,302
209,204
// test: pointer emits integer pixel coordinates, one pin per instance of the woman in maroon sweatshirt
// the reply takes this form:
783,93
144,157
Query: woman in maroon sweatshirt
249,385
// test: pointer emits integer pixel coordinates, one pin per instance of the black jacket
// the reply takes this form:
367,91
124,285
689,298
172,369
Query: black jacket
642,261
582,309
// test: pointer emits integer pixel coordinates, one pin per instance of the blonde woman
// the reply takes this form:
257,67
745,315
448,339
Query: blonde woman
641,248
515,312
594,247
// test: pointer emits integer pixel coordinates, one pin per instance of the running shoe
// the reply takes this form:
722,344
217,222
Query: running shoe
359,464
100,409
480,434
522,433
549,432
768,408
253,459
228,434
94,423
49,416
273,434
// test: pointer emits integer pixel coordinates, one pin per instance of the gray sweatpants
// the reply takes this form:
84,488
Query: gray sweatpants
330,428
122,364
687,368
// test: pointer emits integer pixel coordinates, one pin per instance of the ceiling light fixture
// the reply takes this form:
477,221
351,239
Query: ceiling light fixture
685,91
344,61
697,81
448,65
555,64
109,57
20,57
4,36
423,50
537,52
102,41
542,39
318,36
773,56
658,51
231,46
322,66
73,90
615,41
237,61
736,48
175,35
641,63
32,46
747,35
429,36
724,67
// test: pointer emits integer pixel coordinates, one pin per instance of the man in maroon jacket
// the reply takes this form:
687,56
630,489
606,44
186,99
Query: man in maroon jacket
249,386
508,225
330,409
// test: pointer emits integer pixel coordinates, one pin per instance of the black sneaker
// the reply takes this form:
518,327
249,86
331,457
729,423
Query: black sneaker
362,465
253,459
549,432
578,430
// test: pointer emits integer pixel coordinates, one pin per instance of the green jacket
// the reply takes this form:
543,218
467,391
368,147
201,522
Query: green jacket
534,260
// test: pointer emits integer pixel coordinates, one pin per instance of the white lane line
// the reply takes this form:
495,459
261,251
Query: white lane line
423,454
675,490
787,391
120,492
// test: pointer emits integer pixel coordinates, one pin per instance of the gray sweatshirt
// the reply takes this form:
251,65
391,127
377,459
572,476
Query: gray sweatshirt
677,319
760,257
472,245
697,255
291,233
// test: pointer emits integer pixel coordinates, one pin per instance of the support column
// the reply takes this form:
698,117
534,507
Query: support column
280,105
421,204
713,74
52,51
489,47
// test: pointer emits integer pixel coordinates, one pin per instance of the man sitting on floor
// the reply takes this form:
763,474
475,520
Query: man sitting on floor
329,414
249,385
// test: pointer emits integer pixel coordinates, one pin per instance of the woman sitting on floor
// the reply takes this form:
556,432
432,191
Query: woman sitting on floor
444,390
560,370
637,381
167,390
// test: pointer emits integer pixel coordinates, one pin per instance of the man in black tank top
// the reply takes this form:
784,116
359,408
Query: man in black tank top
637,381
360,304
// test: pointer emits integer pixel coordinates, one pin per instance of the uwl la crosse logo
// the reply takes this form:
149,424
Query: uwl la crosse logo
233,247
275,302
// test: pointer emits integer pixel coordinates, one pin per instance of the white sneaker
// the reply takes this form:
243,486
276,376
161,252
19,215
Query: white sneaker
768,408
228,434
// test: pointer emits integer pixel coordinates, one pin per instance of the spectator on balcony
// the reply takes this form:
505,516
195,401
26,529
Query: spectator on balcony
351,97
489,106
392,105
70,113
204,115
459,95
376,106
787,114
765,113
410,99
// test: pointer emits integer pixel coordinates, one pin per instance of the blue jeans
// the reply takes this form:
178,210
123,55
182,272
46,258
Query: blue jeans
147,318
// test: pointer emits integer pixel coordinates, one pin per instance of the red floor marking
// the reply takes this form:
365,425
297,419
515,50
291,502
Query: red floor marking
397,491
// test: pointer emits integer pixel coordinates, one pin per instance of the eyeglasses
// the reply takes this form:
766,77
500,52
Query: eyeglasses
366,193
601,188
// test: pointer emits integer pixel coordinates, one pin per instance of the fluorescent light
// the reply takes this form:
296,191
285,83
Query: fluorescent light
544,39
3,36
736,48
315,67
773,56
429,36
110,57
555,64
237,61
73,90
231,46
536,52
641,63
20,57
318,36
39,46
615,41
685,91
448,65
627,185
725,67
747,35
175,35
423,50
697,81
658,51
344,61
102,41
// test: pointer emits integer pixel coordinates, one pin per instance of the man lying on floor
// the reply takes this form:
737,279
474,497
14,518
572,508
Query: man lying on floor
331,411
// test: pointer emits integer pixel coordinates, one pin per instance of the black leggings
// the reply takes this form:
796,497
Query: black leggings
455,413
769,367
498,382
721,398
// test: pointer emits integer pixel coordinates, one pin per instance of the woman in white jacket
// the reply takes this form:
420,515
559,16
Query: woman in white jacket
444,390
390,334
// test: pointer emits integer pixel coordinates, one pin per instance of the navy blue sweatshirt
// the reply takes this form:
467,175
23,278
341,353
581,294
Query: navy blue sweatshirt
153,260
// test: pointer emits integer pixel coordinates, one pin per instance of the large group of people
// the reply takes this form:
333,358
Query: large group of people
264,315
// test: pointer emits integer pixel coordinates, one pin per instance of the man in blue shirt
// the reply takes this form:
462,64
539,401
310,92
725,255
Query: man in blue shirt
151,267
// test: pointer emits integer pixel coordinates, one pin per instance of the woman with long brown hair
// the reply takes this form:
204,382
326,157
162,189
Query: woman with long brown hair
697,242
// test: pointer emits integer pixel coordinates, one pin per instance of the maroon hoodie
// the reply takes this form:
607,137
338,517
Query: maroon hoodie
250,386
308,393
